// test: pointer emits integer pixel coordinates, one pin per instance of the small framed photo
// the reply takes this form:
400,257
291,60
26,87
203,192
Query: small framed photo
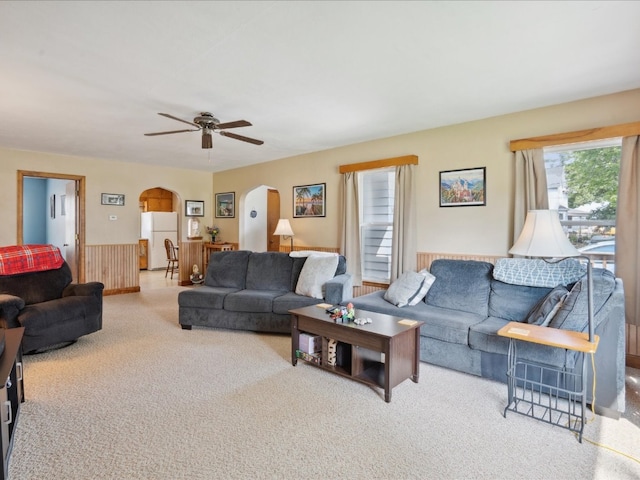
52,206
226,205
113,199
194,208
463,188
309,200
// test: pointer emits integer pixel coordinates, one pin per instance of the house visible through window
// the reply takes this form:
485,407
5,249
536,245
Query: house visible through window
377,190
582,183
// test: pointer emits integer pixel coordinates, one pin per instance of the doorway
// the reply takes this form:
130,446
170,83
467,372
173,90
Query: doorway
258,216
70,205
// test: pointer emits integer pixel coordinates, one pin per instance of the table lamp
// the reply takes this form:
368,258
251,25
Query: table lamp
284,229
542,236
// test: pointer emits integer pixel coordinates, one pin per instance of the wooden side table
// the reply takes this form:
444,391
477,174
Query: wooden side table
214,247
552,395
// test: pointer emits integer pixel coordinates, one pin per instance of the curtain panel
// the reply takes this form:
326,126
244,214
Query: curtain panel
530,186
350,238
404,249
628,227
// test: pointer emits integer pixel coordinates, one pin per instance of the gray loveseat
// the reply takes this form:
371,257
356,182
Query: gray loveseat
254,291
466,306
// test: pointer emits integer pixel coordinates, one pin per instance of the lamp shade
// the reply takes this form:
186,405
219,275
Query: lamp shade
542,236
283,228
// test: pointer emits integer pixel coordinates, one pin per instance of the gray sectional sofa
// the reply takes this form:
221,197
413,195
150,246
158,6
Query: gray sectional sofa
254,291
466,306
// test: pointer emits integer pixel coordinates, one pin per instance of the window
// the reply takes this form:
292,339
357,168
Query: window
582,183
377,190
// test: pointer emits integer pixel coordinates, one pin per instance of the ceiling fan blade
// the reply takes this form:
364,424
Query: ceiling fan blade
179,119
167,133
237,123
240,137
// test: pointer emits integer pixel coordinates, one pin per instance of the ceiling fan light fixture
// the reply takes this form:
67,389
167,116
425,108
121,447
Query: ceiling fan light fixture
207,140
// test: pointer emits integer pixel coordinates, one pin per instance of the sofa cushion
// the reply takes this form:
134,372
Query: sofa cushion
546,308
316,271
462,285
227,269
290,300
448,325
513,302
484,336
573,315
39,317
538,272
269,271
204,297
255,301
409,288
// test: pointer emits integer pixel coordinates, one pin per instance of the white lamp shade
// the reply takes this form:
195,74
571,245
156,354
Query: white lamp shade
283,228
542,236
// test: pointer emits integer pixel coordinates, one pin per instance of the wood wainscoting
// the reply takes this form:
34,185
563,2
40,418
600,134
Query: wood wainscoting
114,265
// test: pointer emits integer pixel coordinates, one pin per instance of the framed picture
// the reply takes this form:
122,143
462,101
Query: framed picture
113,199
309,200
52,206
463,188
194,208
226,205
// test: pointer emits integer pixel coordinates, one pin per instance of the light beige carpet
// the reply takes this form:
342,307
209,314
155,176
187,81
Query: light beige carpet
143,399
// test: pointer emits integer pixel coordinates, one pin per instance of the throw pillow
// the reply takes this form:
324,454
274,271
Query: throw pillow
424,288
408,289
537,272
547,307
316,271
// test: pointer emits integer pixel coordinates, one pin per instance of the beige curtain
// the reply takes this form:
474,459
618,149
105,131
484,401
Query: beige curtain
628,227
404,250
530,186
350,241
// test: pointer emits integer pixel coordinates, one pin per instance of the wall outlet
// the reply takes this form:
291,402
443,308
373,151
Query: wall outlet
113,217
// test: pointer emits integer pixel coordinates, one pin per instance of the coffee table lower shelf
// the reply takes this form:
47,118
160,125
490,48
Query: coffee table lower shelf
381,354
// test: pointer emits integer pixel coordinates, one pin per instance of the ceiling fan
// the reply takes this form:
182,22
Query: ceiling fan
210,124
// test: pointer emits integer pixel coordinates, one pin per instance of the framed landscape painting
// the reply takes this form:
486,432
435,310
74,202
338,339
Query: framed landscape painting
463,188
309,200
226,205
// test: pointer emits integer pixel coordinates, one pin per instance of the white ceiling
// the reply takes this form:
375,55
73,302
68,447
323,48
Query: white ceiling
88,78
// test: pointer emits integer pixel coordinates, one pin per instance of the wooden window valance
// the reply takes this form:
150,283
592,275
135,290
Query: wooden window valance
592,134
387,162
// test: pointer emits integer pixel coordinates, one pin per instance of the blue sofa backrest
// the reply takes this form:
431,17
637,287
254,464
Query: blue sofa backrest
227,269
269,271
461,285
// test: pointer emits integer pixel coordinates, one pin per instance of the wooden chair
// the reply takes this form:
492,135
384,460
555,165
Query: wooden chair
172,257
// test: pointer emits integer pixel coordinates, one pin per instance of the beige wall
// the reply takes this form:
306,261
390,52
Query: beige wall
484,143
474,230
101,177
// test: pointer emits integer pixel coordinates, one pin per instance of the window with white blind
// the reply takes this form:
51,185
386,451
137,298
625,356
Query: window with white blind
377,189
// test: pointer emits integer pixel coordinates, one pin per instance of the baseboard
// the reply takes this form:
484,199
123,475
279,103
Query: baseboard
633,361
118,291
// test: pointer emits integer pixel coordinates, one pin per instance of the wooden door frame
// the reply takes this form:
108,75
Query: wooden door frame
80,206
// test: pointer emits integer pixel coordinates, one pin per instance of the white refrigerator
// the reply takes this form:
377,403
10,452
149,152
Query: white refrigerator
156,226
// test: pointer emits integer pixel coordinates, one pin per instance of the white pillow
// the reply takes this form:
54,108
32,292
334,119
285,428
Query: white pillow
409,289
316,271
308,253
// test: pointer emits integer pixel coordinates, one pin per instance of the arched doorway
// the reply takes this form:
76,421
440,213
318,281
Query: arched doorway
258,216
159,219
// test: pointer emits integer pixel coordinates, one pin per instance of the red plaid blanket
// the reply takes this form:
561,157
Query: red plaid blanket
29,258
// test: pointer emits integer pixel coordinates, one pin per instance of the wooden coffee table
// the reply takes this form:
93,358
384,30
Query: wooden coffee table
383,353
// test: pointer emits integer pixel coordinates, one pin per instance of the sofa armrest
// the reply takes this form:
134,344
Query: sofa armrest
84,289
338,289
10,306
